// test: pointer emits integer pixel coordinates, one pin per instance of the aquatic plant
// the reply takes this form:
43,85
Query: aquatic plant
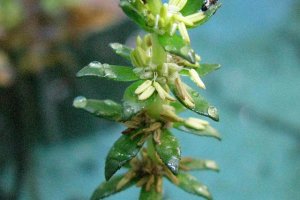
151,105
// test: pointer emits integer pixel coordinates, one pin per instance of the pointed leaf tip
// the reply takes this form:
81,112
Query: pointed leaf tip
201,107
207,131
190,184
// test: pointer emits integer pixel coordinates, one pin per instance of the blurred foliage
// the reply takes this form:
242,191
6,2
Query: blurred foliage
41,44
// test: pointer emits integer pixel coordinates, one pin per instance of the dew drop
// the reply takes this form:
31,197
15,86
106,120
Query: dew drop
173,164
213,112
129,110
108,72
95,64
80,102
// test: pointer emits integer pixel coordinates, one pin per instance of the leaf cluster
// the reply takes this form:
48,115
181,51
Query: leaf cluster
151,105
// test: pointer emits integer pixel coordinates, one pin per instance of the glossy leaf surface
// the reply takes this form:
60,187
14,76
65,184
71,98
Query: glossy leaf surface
197,164
169,151
131,103
208,131
106,109
109,188
121,50
176,45
202,107
133,13
190,184
202,70
112,72
192,6
123,150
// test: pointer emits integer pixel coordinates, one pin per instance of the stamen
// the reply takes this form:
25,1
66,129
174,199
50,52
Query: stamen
159,90
196,78
144,86
183,31
196,17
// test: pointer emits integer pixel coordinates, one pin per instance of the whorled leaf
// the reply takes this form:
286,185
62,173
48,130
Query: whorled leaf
191,7
112,72
201,107
169,150
190,184
176,45
131,103
202,70
133,14
110,187
106,109
121,50
191,164
150,195
123,150
208,131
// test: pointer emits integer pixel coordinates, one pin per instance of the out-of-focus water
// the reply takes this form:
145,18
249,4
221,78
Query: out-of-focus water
257,92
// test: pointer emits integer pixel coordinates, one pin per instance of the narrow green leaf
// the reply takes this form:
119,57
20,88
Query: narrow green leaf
209,13
208,131
112,72
202,107
110,187
202,70
121,50
197,164
169,150
131,103
190,184
133,13
123,150
178,106
176,45
106,109
150,195
191,7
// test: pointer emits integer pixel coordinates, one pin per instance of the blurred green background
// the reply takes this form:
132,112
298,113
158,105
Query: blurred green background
51,151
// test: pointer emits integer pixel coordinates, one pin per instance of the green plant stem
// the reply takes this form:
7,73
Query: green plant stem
151,150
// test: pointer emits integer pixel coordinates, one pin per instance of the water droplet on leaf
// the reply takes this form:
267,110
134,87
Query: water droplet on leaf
79,102
95,64
213,112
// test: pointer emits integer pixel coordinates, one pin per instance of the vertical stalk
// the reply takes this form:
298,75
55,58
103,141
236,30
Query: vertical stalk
151,150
